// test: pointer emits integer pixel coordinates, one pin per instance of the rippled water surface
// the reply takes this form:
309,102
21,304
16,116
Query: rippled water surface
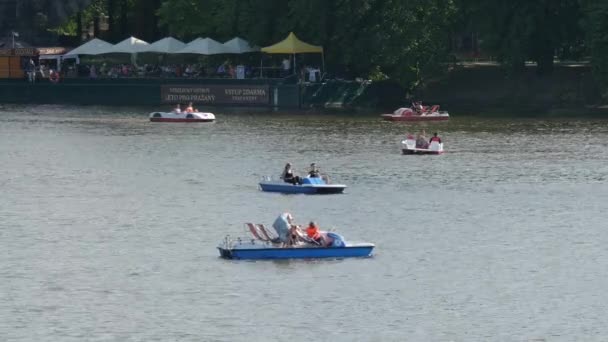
109,226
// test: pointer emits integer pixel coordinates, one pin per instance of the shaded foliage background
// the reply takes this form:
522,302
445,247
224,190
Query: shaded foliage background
411,41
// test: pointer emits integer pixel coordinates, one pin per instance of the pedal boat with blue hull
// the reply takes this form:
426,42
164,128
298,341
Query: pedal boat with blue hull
265,247
308,186
263,251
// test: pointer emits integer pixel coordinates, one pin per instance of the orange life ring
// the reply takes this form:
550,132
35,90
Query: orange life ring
54,77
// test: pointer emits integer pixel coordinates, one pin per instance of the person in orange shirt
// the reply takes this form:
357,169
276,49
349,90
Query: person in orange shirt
313,233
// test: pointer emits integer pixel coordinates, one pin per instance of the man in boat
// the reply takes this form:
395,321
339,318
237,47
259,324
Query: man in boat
178,109
314,172
288,175
287,231
435,138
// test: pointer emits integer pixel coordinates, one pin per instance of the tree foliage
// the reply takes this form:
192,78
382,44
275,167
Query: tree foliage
596,26
516,31
407,40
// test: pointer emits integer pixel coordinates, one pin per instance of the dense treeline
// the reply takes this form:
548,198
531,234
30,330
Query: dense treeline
410,41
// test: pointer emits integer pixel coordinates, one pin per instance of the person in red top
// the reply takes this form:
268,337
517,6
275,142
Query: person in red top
313,233
435,138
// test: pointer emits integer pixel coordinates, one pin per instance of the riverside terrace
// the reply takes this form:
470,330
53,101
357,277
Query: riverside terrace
202,57
158,74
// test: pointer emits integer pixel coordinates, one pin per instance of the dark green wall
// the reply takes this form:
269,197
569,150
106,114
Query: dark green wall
125,91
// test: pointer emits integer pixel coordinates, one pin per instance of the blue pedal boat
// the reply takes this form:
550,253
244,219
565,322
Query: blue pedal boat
308,186
254,249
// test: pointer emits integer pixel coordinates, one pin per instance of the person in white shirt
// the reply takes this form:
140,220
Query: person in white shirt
286,66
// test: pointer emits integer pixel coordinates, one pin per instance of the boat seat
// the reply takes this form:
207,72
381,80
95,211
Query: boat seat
313,180
409,143
267,234
254,231
336,240
434,146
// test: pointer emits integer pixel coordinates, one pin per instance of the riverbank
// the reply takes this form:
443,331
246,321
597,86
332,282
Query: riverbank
487,87
468,89
475,89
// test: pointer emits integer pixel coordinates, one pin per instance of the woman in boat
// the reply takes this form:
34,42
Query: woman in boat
178,109
189,109
313,233
417,107
421,140
288,175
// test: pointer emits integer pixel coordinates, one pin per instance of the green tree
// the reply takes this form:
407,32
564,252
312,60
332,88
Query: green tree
125,18
405,40
596,27
519,30
146,19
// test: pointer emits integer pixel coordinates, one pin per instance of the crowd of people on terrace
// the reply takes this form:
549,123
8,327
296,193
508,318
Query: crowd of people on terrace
123,70
227,69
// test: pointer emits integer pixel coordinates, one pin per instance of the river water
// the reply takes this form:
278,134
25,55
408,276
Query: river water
109,226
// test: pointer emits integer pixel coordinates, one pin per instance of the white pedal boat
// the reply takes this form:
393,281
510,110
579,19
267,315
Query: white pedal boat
408,146
181,117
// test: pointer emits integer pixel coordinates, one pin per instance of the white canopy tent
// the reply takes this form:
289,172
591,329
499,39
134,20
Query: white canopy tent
92,47
129,45
204,46
58,57
57,60
165,45
239,45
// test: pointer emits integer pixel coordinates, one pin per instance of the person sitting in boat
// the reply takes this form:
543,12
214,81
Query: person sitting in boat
314,172
178,109
417,106
313,233
421,141
436,138
189,109
288,175
287,231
